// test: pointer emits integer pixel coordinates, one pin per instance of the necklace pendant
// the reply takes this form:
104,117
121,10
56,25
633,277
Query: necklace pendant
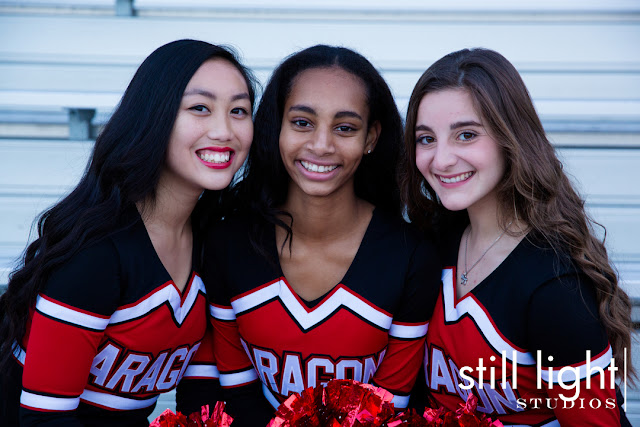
463,279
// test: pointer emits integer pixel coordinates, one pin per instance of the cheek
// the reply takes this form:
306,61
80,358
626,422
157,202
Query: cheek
244,132
289,143
423,161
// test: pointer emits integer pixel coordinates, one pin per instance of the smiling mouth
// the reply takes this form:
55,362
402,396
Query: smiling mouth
215,157
312,167
454,179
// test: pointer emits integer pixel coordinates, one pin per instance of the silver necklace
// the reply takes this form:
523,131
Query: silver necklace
464,278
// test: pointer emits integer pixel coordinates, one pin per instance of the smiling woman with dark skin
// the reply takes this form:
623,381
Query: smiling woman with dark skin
321,277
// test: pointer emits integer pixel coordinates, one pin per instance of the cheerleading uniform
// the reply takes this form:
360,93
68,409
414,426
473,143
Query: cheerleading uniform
370,327
109,332
534,301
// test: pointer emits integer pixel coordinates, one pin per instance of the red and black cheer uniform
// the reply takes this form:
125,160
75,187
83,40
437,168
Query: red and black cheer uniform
370,327
110,331
534,301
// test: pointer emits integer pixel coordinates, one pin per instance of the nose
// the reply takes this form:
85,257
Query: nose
444,157
321,142
219,128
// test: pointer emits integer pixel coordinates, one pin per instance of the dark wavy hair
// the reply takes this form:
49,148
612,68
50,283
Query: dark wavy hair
265,183
534,188
126,163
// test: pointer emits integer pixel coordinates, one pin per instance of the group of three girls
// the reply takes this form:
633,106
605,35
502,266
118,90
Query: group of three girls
309,271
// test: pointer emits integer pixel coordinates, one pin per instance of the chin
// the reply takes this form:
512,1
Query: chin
454,205
218,184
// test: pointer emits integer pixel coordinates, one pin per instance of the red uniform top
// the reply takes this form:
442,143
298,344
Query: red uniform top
370,327
110,331
534,301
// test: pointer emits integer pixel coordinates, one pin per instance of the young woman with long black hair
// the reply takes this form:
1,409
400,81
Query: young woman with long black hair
319,276
529,297
108,309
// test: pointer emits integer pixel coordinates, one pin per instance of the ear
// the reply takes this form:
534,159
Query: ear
372,137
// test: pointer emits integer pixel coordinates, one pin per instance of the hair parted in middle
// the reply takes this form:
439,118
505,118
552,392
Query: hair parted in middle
265,184
534,188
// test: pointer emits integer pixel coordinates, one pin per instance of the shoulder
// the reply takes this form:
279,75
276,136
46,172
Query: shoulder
398,234
563,315
89,279
535,263
228,233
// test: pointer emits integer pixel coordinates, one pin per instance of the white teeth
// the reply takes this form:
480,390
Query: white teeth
217,157
455,178
317,168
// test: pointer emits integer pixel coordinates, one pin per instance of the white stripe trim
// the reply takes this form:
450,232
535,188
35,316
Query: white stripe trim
238,378
221,313
49,403
116,402
202,371
270,397
341,297
408,332
68,315
19,353
469,306
400,401
569,375
166,294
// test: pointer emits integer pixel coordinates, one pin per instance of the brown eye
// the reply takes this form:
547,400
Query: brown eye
425,140
200,108
301,123
467,136
239,111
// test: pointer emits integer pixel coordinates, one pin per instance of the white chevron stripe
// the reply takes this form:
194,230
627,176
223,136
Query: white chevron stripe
400,402
408,332
66,314
341,297
116,402
221,313
48,403
202,371
238,378
469,306
166,294
270,397
19,353
569,375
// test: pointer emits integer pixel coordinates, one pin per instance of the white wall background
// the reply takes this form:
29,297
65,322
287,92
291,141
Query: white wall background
579,58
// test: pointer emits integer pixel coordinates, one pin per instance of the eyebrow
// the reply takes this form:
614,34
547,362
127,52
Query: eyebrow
457,125
303,108
338,115
423,127
210,95
353,114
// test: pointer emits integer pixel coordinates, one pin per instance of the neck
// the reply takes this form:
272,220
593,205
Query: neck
484,222
322,218
170,212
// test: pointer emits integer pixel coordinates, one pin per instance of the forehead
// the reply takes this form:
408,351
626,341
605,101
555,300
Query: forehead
220,74
326,89
447,105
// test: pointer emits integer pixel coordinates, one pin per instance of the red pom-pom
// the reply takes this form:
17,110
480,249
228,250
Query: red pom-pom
342,403
169,419
219,418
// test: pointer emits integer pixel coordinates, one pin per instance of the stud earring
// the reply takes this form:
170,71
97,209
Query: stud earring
369,152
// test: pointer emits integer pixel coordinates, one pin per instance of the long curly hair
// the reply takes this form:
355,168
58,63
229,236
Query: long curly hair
534,188
127,160
266,181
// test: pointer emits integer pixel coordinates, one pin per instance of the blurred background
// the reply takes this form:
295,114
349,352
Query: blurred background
65,64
